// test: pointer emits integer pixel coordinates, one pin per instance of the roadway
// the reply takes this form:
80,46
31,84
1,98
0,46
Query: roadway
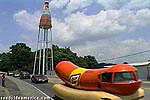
18,87
146,87
45,87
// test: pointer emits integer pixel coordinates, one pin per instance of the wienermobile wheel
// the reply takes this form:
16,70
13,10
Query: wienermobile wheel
67,93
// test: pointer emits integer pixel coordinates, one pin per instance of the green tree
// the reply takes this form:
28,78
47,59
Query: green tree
5,64
91,61
65,54
81,62
21,56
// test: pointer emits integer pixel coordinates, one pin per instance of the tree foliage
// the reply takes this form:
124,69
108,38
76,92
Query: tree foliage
20,57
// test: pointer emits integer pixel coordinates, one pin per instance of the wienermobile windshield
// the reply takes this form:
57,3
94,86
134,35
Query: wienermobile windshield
124,77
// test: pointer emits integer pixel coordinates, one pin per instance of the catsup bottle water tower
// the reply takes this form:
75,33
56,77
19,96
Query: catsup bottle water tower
43,63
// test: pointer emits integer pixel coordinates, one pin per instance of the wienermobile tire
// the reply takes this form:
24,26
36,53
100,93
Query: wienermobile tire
67,93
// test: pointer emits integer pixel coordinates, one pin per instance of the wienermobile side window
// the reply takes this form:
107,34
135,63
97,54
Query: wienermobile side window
124,77
107,77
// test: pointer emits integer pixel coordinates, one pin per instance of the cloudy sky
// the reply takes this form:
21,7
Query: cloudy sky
102,28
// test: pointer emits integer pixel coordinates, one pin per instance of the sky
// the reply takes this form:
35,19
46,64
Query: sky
102,28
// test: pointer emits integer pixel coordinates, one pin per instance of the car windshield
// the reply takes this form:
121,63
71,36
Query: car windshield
40,76
124,77
25,73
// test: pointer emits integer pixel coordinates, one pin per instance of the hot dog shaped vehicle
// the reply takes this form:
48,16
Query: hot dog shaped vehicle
119,80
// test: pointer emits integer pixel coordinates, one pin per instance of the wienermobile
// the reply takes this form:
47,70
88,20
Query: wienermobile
117,82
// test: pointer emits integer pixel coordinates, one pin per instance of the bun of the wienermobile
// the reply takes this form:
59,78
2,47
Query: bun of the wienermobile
119,79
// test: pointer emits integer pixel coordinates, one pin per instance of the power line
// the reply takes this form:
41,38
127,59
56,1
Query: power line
125,56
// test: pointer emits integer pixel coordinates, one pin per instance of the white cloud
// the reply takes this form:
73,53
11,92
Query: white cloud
77,4
106,24
135,21
95,27
128,4
30,22
106,49
95,34
70,6
61,33
27,20
138,4
79,28
113,4
58,3
128,47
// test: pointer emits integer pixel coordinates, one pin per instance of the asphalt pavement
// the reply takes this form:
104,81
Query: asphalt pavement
25,87
146,87
45,87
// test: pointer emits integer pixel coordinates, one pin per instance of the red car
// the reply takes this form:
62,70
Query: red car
39,79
